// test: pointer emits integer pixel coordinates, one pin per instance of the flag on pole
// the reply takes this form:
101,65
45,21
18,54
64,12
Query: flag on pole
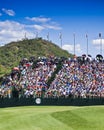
60,35
74,43
86,36
36,34
48,36
25,35
99,34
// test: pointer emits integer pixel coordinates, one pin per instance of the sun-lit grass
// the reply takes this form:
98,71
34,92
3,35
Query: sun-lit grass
86,118
52,118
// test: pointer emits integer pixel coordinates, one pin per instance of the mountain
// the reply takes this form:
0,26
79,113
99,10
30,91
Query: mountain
12,53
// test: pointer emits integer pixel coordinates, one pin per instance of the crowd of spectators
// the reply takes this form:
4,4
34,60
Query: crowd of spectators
29,79
77,78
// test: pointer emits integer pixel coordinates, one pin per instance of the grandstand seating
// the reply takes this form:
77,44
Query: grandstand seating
55,77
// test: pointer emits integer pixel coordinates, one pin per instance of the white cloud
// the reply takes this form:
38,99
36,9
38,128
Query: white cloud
43,23
39,19
35,26
97,42
38,27
0,14
43,27
54,27
10,25
8,11
13,31
70,48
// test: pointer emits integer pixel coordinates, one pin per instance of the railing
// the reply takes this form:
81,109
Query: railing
13,102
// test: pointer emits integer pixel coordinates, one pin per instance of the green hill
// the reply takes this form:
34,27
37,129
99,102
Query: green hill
12,53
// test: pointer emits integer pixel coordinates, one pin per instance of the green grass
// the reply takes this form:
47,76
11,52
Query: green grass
52,118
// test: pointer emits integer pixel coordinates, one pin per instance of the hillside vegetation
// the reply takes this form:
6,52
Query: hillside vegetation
12,53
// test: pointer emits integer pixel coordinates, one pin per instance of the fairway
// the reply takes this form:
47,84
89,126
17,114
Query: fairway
52,118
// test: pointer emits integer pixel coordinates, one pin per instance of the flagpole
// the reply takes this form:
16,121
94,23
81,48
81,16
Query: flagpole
36,35
74,60
100,43
61,39
48,36
25,36
74,43
87,43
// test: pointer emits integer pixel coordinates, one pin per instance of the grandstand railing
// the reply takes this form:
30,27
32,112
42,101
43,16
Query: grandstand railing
14,102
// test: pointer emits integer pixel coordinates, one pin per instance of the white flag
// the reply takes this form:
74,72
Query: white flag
48,36
60,35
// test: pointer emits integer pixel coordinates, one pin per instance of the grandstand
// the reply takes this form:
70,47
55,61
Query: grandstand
55,77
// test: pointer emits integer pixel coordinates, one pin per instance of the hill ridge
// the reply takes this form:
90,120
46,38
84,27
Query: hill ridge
12,53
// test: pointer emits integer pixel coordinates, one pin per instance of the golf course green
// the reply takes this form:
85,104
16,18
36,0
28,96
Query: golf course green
52,118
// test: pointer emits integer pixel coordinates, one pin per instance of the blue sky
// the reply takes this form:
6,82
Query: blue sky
40,18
